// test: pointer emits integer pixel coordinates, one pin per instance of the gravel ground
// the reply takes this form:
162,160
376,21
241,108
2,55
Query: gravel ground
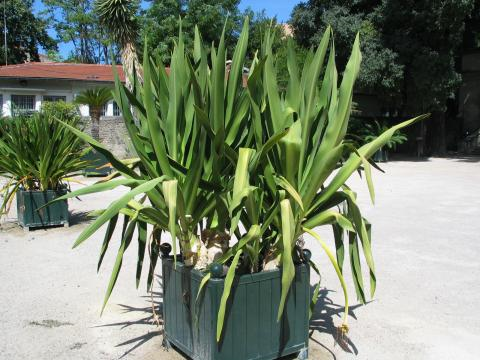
425,242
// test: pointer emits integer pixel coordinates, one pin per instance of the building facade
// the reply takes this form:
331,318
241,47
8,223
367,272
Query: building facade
24,87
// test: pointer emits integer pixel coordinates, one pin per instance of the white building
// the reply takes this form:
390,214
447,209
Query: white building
24,87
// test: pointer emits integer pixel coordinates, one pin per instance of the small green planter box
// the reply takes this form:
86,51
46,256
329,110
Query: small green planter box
96,165
29,201
381,155
251,330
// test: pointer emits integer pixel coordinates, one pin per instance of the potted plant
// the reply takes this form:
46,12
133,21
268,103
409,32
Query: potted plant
237,175
38,155
373,130
96,99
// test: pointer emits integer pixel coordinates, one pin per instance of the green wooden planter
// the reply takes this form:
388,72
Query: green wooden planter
251,330
96,165
381,155
29,201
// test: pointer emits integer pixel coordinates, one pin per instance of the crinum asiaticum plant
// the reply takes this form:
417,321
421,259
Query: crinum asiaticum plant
302,184
254,161
187,124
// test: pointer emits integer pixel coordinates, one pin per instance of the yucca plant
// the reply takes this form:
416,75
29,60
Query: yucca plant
118,17
254,163
303,183
186,125
37,152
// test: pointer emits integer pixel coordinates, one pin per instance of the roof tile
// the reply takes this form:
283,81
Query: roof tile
66,71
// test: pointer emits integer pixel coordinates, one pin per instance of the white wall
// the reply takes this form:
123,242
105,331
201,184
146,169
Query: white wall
40,88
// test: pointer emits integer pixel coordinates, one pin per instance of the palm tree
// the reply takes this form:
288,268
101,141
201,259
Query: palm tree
96,99
119,19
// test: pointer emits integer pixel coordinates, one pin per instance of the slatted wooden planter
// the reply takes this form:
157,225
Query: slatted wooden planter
251,330
31,216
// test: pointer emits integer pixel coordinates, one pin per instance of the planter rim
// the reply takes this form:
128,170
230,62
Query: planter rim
62,190
198,275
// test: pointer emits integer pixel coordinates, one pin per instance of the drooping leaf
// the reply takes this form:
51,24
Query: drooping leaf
288,238
226,293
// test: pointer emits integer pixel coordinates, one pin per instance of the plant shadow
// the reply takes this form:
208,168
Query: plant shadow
322,320
79,217
146,316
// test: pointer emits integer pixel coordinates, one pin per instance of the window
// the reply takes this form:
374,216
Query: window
53,98
104,110
116,110
23,104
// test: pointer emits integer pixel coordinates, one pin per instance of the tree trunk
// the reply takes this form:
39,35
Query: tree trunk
130,64
95,119
439,144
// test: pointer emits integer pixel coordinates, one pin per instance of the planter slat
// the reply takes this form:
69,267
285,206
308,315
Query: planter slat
251,330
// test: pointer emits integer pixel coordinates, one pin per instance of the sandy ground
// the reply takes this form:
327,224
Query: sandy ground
426,245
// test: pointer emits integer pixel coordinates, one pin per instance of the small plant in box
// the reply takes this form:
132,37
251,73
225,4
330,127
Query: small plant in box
38,155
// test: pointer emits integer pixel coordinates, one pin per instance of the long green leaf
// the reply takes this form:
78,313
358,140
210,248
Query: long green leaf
288,238
226,293
115,207
170,195
126,240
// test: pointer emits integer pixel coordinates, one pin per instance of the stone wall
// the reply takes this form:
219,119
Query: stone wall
113,134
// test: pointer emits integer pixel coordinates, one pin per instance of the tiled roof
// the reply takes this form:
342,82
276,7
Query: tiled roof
65,71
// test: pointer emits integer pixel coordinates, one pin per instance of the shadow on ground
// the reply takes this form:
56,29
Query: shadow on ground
323,321
146,316
79,217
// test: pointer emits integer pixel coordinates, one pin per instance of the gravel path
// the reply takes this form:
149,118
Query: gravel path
425,241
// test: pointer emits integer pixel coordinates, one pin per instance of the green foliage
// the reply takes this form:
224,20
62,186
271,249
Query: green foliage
119,17
472,28
409,47
186,136
429,59
54,56
162,23
37,152
381,71
26,33
260,24
75,22
260,163
361,131
375,129
94,97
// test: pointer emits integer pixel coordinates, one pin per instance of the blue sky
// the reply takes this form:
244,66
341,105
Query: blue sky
279,8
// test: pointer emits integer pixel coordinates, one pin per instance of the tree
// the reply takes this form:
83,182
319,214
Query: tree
471,38
381,72
259,24
162,23
96,99
75,22
427,36
25,33
119,19
409,50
